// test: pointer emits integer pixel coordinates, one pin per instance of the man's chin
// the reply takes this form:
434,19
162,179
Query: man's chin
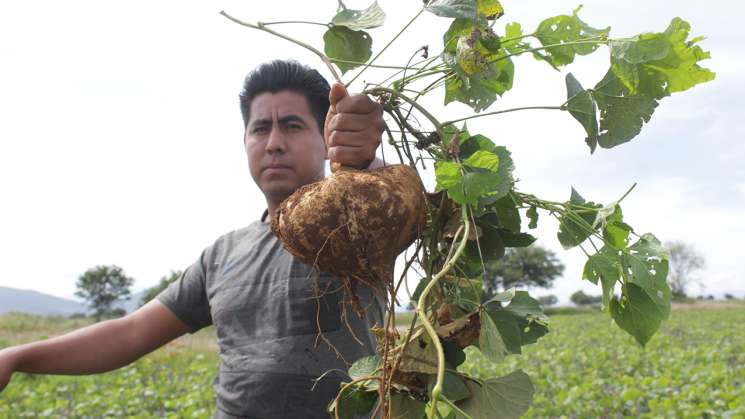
279,191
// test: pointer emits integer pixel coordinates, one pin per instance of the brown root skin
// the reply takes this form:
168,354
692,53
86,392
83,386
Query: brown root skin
354,224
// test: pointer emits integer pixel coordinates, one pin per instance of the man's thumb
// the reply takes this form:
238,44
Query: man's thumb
337,93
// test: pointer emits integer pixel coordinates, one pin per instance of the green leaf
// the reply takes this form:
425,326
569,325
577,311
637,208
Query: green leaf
490,340
345,44
353,403
506,167
646,265
492,9
480,90
565,29
512,40
581,106
483,160
532,214
636,313
490,241
447,175
558,30
615,231
356,20
512,239
499,398
572,233
621,114
405,407
454,354
364,367
463,9
469,186
475,143
659,64
520,323
508,216
458,29
475,184
453,386
606,267
586,31
502,297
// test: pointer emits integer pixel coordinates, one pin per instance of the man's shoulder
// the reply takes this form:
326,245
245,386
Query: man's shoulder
236,236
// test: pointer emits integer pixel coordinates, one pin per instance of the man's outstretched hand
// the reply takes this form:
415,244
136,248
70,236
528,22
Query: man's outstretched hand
7,367
354,125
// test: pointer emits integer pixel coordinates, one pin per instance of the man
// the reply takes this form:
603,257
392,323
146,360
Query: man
263,302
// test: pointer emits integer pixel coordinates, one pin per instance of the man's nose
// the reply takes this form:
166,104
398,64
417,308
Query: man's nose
276,142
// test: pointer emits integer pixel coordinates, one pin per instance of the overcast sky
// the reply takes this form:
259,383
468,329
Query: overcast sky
120,132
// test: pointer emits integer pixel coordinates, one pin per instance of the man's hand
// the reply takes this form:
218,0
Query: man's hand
7,367
354,125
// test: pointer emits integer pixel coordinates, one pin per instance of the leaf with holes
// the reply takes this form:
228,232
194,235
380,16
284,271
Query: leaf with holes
342,43
357,20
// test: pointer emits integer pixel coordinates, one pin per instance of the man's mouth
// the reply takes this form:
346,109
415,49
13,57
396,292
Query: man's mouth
277,167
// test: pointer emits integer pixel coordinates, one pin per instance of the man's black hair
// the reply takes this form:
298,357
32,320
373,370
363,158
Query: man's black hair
279,75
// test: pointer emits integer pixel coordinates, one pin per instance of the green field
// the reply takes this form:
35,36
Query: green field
586,367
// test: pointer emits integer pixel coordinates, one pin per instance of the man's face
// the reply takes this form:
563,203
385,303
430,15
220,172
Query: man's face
284,145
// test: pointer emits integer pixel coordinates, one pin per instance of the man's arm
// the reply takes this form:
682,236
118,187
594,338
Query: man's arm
97,348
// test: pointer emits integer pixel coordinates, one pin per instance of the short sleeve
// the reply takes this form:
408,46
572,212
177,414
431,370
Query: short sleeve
187,297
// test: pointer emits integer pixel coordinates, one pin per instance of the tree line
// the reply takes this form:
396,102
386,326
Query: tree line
104,286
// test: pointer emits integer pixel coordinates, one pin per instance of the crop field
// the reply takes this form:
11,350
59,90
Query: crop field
586,367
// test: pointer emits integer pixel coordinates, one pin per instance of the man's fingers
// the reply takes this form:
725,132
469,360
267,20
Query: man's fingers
353,139
336,94
355,122
358,104
356,157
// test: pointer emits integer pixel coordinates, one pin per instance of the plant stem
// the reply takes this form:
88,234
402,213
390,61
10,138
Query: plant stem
384,48
420,309
457,409
502,111
626,194
260,26
392,67
282,22
380,89
504,57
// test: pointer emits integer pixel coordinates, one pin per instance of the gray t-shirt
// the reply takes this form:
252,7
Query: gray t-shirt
261,301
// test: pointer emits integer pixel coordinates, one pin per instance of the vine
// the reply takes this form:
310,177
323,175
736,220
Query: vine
476,210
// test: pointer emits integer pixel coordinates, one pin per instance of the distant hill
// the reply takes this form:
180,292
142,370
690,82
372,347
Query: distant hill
34,302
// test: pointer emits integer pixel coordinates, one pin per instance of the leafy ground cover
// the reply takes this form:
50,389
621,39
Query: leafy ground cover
586,367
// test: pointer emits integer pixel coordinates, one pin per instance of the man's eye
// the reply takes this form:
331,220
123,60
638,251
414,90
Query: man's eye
294,127
259,130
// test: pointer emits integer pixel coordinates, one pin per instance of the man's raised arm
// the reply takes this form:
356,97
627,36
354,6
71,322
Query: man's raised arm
97,348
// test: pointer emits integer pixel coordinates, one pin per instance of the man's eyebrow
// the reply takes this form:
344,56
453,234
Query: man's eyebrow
292,118
261,121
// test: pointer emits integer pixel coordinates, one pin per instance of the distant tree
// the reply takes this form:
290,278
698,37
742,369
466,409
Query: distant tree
685,261
101,287
709,297
165,281
548,300
533,266
729,296
581,299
